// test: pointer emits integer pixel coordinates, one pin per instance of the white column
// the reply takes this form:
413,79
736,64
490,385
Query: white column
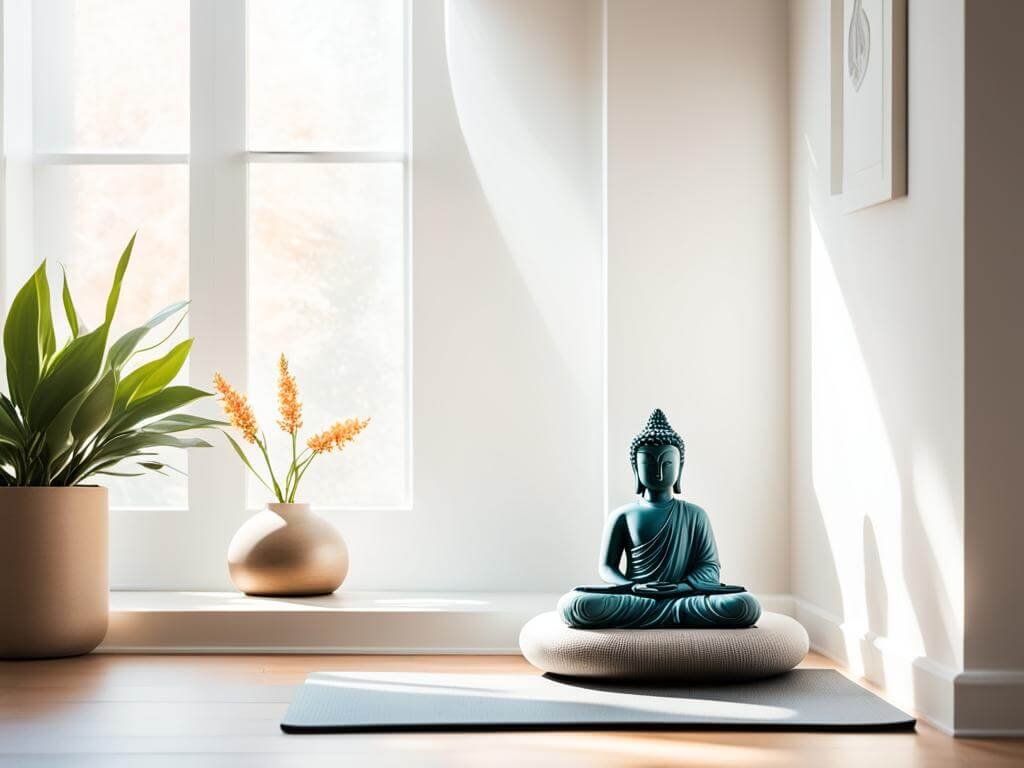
218,266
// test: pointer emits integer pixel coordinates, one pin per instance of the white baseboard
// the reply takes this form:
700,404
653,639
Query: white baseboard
990,703
974,703
912,681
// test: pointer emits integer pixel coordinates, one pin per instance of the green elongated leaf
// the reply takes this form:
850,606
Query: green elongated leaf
108,464
28,337
115,288
96,408
10,427
157,466
74,322
126,387
166,337
155,405
73,373
130,443
180,422
170,441
164,372
152,377
8,406
245,460
47,337
122,349
57,436
6,457
118,474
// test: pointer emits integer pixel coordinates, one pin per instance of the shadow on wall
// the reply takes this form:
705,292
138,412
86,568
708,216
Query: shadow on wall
520,378
884,509
520,74
508,450
516,71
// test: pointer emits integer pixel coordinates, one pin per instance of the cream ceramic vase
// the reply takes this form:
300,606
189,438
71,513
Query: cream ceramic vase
287,550
53,571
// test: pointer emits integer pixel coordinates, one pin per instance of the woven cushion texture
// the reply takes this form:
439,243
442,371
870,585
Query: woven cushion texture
776,644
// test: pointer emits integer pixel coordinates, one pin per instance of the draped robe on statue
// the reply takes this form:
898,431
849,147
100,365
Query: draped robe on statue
683,551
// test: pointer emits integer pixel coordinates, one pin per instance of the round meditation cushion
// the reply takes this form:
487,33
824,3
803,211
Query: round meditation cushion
776,644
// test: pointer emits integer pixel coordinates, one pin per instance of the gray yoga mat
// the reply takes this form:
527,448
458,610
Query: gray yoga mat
804,699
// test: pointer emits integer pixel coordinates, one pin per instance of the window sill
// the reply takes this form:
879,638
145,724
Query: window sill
345,622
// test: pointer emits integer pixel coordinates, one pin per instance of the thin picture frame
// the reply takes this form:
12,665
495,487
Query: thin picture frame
868,101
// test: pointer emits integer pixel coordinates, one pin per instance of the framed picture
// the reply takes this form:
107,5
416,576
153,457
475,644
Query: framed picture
868,101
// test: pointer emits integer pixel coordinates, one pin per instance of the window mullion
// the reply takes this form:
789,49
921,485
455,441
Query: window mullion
218,268
320,156
111,158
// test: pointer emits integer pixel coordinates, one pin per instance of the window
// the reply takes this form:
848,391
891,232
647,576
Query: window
260,149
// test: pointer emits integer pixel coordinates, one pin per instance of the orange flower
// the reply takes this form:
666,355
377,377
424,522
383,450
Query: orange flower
237,408
338,436
288,404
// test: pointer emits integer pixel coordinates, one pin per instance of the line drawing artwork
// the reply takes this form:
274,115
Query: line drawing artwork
858,45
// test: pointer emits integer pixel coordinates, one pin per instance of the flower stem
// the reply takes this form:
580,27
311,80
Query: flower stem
260,442
292,473
300,472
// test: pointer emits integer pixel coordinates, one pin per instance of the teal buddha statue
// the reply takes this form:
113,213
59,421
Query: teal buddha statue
671,577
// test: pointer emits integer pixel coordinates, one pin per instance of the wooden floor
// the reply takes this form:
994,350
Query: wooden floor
224,711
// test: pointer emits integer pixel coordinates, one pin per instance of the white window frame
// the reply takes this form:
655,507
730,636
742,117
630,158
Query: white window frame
163,548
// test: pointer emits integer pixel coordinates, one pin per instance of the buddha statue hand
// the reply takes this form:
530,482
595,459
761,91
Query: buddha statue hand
713,588
663,590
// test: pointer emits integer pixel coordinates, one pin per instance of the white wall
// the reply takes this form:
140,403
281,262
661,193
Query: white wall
697,261
507,293
877,336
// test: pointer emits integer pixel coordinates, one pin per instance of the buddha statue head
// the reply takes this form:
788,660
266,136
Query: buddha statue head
657,455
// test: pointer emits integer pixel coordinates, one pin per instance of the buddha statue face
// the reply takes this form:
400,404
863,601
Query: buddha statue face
657,456
658,467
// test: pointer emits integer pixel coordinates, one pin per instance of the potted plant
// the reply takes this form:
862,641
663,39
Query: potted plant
285,549
71,413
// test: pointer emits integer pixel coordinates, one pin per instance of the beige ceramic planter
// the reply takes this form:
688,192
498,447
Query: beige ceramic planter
287,550
53,571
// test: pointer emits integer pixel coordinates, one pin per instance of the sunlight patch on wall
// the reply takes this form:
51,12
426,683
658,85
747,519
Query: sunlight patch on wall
855,476
945,536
